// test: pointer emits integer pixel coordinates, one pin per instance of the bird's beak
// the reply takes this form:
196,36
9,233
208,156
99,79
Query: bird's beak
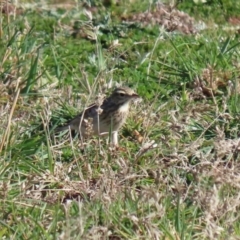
134,95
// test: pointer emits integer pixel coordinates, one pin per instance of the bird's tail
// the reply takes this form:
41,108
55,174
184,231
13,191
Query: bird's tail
62,128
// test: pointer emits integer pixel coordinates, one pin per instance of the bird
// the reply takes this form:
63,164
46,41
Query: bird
103,118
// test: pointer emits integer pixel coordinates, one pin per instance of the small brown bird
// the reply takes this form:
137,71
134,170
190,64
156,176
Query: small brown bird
105,118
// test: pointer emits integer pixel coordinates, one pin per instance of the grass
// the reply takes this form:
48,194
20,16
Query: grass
176,175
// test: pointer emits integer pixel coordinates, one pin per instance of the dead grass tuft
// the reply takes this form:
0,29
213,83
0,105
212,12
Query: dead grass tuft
169,18
213,82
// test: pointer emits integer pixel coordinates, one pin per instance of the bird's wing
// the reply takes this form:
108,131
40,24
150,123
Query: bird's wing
77,120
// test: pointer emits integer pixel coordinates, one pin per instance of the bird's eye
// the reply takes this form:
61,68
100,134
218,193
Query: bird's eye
121,94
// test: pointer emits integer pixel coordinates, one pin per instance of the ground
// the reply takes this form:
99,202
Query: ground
176,172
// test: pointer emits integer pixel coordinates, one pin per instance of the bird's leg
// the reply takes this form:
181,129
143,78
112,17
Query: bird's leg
115,138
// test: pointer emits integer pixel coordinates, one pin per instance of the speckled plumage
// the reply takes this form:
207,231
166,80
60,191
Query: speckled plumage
109,116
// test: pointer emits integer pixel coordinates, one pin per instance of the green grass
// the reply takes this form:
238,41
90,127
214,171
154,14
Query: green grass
176,174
